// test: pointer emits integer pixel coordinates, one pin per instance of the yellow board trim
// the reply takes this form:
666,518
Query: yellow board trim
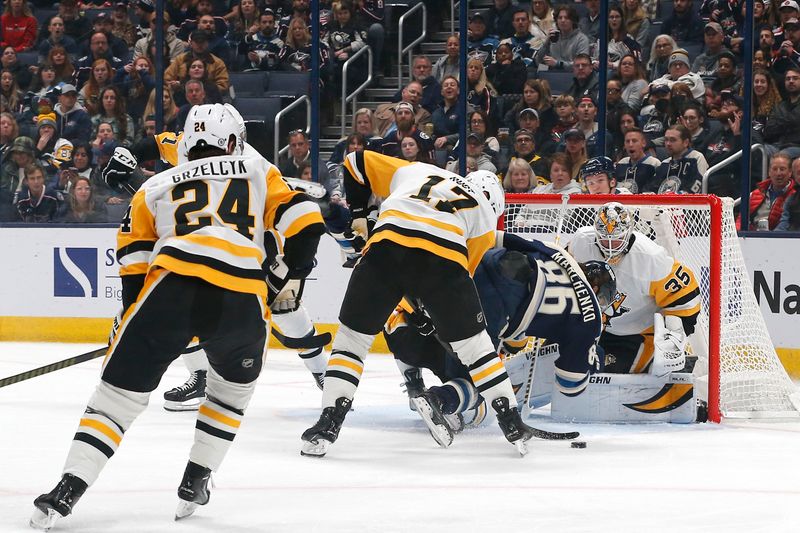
102,428
95,330
219,417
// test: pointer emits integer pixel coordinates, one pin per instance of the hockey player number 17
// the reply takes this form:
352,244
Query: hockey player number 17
464,200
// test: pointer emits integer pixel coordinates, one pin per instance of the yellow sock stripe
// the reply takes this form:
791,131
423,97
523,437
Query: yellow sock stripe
219,417
488,371
352,365
102,428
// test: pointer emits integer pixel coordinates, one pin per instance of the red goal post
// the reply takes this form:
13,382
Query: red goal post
736,357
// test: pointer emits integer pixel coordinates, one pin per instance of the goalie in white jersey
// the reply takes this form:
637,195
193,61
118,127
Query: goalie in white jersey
657,301
191,250
433,228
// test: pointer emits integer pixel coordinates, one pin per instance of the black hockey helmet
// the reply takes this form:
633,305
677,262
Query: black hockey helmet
597,165
601,277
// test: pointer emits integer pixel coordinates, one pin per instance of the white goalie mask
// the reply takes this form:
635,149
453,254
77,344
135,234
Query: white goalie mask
211,125
612,228
488,183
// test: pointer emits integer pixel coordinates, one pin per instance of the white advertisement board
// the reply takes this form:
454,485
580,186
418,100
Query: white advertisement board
72,272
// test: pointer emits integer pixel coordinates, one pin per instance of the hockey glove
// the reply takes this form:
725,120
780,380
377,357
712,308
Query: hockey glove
277,278
288,299
422,322
669,342
120,167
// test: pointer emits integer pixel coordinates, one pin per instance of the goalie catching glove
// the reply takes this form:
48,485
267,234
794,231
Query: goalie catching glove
120,167
669,343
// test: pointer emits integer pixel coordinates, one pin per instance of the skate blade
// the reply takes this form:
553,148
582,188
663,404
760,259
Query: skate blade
185,509
315,448
188,405
42,520
439,430
522,447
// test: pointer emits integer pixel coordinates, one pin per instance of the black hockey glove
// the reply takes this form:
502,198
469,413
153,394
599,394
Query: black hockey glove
422,322
120,167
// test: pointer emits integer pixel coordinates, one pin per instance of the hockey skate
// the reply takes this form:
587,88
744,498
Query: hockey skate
429,407
58,502
193,490
509,420
321,435
414,385
189,396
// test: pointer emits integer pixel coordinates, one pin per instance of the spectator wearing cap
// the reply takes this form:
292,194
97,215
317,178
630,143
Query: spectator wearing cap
98,49
723,142
574,145
565,42
654,117
46,139
178,70
445,118
783,123
788,52
384,115
264,45
173,47
122,27
683,170
18,26
479,43
706,63
684,23
215,28
507,73
404,126
476,147
525,149
680,72
21,154
500,18
585,80
523,44
56,37
103,23
37,203
76,24
422,71
637,170
74,123
535,95
528,119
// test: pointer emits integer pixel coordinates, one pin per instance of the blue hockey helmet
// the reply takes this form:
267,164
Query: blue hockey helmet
597,165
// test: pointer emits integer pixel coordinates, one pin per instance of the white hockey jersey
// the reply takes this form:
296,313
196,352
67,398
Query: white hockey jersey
425,207
648,281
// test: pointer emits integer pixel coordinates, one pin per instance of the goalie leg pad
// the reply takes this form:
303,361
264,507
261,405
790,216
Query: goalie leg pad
669,344
109,413
346,365
218,419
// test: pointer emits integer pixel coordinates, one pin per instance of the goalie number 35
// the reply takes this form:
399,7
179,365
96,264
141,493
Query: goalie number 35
679,280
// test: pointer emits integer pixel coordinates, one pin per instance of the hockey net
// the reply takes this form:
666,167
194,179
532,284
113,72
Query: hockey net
736,357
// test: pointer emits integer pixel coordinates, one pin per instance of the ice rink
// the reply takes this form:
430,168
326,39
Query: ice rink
385,473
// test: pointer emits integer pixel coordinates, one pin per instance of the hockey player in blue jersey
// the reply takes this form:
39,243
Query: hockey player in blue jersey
541,292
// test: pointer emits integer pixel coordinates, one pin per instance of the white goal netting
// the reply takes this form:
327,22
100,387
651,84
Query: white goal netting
736,356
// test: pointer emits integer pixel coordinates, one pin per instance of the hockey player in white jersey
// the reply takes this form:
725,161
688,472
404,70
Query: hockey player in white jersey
288,313
657,301
191,248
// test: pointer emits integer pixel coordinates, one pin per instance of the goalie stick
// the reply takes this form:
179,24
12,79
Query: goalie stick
538,433
294,343
52,367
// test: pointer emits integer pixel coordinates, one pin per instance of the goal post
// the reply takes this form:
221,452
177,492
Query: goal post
738,370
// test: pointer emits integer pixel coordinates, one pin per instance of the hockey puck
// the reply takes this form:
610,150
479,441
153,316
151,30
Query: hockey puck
578,444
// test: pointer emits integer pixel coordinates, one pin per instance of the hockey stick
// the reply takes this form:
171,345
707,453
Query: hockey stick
538,433
52,367
303,343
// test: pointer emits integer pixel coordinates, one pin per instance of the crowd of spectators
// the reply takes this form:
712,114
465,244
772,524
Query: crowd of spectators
674,96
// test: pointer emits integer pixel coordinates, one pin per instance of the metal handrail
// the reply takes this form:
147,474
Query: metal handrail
277,150
400,49
352,96
735,157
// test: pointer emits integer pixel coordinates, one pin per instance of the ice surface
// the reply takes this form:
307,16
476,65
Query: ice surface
386,474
